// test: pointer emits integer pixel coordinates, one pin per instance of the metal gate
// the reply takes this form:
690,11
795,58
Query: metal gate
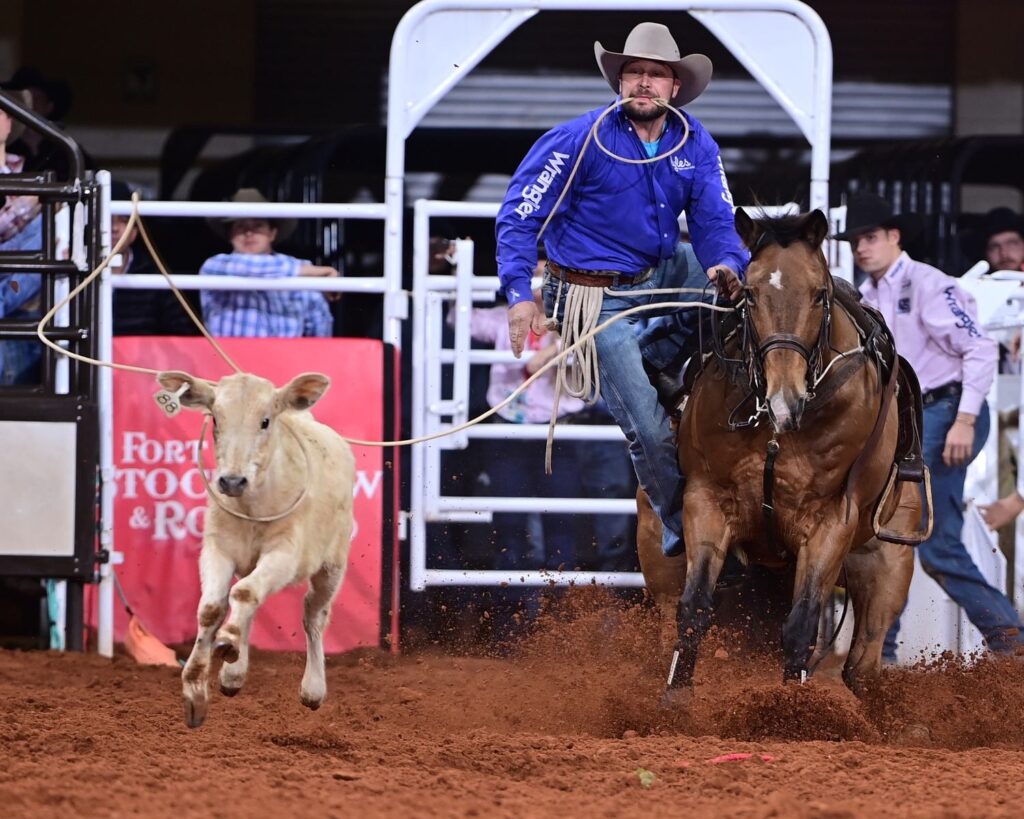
49,428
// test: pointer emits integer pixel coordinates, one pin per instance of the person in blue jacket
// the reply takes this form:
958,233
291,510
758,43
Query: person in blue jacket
617,226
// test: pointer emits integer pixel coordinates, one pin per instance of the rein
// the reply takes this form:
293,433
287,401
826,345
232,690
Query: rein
269,518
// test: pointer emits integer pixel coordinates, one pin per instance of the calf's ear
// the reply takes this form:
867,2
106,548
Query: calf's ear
199,395
302,392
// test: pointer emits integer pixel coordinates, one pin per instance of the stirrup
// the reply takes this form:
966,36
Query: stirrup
906,538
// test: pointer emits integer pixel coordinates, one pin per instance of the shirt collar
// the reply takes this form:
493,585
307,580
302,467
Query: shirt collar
896,271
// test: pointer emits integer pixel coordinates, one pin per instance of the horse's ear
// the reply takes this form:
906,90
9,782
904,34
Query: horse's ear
815,228
749,230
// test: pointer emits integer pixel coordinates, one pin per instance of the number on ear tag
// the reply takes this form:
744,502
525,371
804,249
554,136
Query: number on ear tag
170,402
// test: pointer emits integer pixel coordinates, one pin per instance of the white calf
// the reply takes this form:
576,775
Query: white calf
271,453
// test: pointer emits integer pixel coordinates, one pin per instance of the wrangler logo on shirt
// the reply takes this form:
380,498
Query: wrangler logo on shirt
533,193
726,194
964,321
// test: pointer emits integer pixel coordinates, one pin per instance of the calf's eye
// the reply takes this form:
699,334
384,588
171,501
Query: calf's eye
265,423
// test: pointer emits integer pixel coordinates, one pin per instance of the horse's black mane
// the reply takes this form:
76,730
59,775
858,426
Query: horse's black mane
781,230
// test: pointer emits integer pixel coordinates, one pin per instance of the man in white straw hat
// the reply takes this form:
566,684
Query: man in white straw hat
617,226
262,313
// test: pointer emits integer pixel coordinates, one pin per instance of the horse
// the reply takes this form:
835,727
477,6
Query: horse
788,439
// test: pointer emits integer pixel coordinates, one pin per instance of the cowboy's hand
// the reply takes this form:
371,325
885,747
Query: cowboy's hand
1003,511
522,318
727,280
959,443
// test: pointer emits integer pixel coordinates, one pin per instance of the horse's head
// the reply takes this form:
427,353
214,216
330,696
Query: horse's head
788,301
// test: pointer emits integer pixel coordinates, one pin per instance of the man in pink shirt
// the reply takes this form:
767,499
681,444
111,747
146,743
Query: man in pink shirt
935,324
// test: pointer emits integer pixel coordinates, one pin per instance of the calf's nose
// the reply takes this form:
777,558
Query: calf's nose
232,485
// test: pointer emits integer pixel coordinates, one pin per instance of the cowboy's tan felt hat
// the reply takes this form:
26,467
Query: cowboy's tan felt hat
653,41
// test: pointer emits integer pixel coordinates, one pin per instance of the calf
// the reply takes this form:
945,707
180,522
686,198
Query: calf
272,457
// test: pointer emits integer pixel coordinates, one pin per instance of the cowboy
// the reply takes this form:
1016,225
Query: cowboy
999,238
256,313
617,227
935,325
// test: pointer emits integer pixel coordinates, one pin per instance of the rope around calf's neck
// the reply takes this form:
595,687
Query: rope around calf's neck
268,518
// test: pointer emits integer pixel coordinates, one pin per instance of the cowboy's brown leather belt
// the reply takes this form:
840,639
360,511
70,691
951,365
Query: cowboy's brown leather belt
593,278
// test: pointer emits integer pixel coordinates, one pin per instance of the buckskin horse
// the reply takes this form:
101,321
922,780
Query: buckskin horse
794,455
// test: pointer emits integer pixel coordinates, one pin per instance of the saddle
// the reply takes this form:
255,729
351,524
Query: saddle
879,344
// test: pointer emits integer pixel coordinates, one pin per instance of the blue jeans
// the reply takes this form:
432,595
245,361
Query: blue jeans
944,556
631,398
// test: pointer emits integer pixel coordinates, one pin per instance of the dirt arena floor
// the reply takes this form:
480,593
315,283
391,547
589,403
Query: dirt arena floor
562,724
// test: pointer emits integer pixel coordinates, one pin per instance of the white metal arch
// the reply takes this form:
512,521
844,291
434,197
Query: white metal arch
783,43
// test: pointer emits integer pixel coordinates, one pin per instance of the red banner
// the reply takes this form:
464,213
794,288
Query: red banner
160,500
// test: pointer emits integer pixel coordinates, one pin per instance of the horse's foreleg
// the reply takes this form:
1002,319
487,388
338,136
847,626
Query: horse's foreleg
878,581
707,539
817,569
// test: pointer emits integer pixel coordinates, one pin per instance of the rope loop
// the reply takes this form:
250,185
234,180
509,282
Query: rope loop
216,499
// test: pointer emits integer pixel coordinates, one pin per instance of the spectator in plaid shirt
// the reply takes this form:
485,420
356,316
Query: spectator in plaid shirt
256,313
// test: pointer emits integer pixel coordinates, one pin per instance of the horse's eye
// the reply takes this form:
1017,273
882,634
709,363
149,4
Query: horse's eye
265,423
820,298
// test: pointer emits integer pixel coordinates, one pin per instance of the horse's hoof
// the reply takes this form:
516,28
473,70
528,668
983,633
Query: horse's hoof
675,698
916,735
226,650
195,712
227,691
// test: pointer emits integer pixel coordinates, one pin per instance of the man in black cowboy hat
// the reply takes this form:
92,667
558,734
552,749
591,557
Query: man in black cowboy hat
256,313
617,226
999,239
935,324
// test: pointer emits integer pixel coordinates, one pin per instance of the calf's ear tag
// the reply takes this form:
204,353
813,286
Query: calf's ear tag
170,402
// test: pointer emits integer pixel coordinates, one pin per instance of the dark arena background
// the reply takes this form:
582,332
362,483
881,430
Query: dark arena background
468,672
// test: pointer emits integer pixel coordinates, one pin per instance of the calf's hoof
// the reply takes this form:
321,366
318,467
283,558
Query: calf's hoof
312,703
195,711
229,691
226,650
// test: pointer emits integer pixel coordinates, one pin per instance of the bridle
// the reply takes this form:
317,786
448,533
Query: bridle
755,349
